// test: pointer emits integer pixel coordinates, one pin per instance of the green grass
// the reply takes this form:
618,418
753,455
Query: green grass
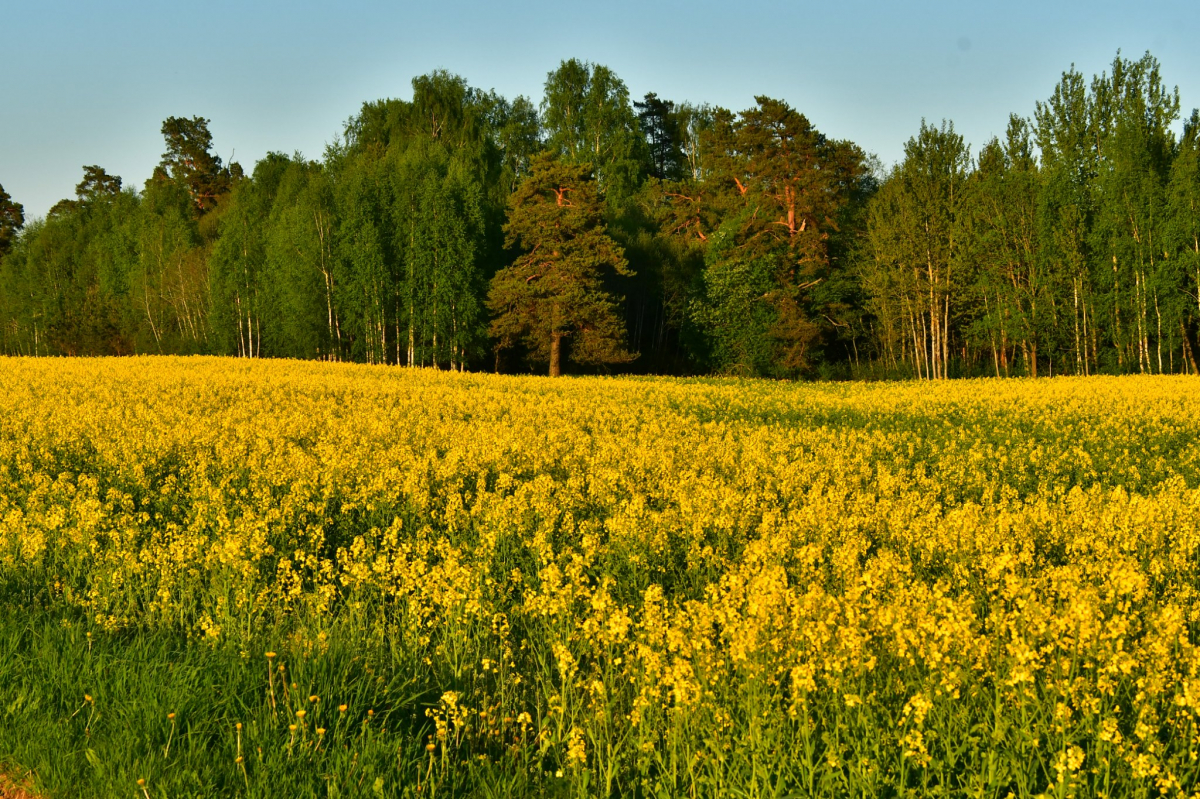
49,665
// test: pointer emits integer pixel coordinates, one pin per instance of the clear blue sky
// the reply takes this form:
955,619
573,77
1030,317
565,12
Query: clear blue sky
90,82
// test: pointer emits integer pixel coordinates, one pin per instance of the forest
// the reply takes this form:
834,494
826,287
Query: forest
591,232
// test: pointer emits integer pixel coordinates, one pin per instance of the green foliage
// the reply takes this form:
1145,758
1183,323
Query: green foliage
518,136
303,275
97,185
589,120
65,286
91,714
189,160
664,126
440,228
1071,256
1009,280
238,270
733,309
780,188
169,279
1183,232
12,219
757,245
555,289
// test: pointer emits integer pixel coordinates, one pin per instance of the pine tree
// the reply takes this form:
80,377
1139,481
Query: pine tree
778,186
189,159
555,290
12,219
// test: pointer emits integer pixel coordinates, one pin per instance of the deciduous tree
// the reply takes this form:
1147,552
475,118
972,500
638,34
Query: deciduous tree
589,120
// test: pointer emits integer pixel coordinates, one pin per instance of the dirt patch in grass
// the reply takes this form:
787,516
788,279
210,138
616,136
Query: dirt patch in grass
14,788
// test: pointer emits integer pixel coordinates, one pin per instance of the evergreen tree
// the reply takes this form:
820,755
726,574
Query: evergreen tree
190,161
661,124
554,292
12,219
780,187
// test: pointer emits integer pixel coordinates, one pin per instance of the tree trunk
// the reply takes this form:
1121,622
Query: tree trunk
1086,369
1116,335
946,335
555,354
992,335
237,300
1078,350
1158,314
1187,347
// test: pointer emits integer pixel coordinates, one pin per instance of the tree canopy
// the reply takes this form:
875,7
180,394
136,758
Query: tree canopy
12,219
459,229
554,291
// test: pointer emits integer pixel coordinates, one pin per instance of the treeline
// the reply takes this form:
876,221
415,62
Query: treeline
1072,245
464,230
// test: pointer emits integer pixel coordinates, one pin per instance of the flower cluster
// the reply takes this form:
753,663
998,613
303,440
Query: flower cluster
977,587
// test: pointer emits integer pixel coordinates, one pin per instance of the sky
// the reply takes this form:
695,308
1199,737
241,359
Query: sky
90,82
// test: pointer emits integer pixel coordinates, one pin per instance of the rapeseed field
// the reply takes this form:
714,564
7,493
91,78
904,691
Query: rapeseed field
224,577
